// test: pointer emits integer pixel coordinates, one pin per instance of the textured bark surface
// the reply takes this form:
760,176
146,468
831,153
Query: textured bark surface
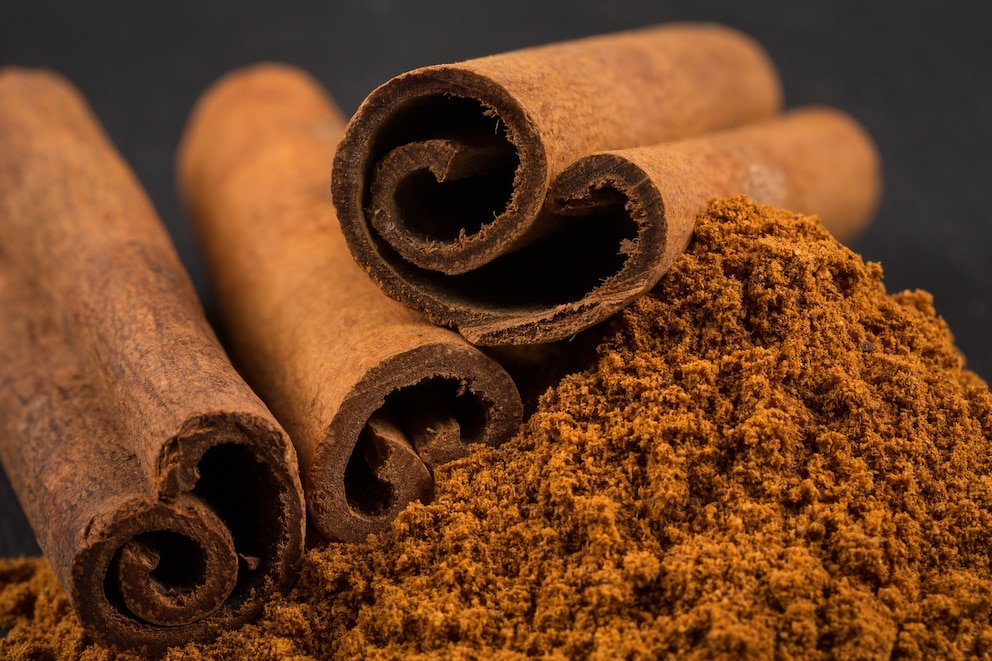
163,492
441,176
370,391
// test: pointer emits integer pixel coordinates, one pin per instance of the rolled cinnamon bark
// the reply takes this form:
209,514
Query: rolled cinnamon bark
445,168
372,394
163,492
622,217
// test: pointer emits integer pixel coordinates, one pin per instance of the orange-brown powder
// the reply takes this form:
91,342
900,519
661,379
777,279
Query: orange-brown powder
771,456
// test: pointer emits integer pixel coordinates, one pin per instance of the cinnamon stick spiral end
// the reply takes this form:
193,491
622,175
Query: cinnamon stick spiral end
148,575
417,410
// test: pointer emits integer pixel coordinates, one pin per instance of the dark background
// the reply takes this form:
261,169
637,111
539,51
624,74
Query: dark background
914,73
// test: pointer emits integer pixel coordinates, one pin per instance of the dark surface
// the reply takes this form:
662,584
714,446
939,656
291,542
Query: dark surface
914,73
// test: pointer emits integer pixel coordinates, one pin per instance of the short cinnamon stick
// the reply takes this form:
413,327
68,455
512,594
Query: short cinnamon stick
163,492
372,393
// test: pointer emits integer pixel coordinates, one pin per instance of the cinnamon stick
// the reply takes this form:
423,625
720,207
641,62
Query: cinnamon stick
163,492
465,151
372,393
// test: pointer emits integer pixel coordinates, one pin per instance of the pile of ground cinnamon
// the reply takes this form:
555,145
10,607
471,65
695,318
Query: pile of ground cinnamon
771,455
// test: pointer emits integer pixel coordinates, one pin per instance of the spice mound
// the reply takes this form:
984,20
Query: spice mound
770,457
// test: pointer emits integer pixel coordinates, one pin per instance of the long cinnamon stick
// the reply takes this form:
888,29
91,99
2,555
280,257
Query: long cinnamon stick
372,394
163,492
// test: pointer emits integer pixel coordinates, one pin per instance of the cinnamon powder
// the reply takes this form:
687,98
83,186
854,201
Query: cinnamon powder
771,456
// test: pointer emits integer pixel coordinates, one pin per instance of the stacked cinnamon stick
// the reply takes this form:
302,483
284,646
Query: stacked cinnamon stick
523,197
515,199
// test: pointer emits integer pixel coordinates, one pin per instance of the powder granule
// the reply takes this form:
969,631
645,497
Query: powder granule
770,458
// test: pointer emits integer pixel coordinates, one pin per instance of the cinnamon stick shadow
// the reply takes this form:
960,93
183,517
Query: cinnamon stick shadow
162,491
372,394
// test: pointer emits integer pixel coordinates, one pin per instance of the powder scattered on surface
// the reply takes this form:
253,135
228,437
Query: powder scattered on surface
770,456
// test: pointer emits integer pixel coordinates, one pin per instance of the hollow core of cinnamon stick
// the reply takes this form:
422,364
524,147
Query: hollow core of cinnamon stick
372,393
161,489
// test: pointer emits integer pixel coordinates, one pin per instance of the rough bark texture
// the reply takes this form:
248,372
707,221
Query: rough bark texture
163,492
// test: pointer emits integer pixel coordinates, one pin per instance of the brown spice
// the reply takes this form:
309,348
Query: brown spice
770,457
161,489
